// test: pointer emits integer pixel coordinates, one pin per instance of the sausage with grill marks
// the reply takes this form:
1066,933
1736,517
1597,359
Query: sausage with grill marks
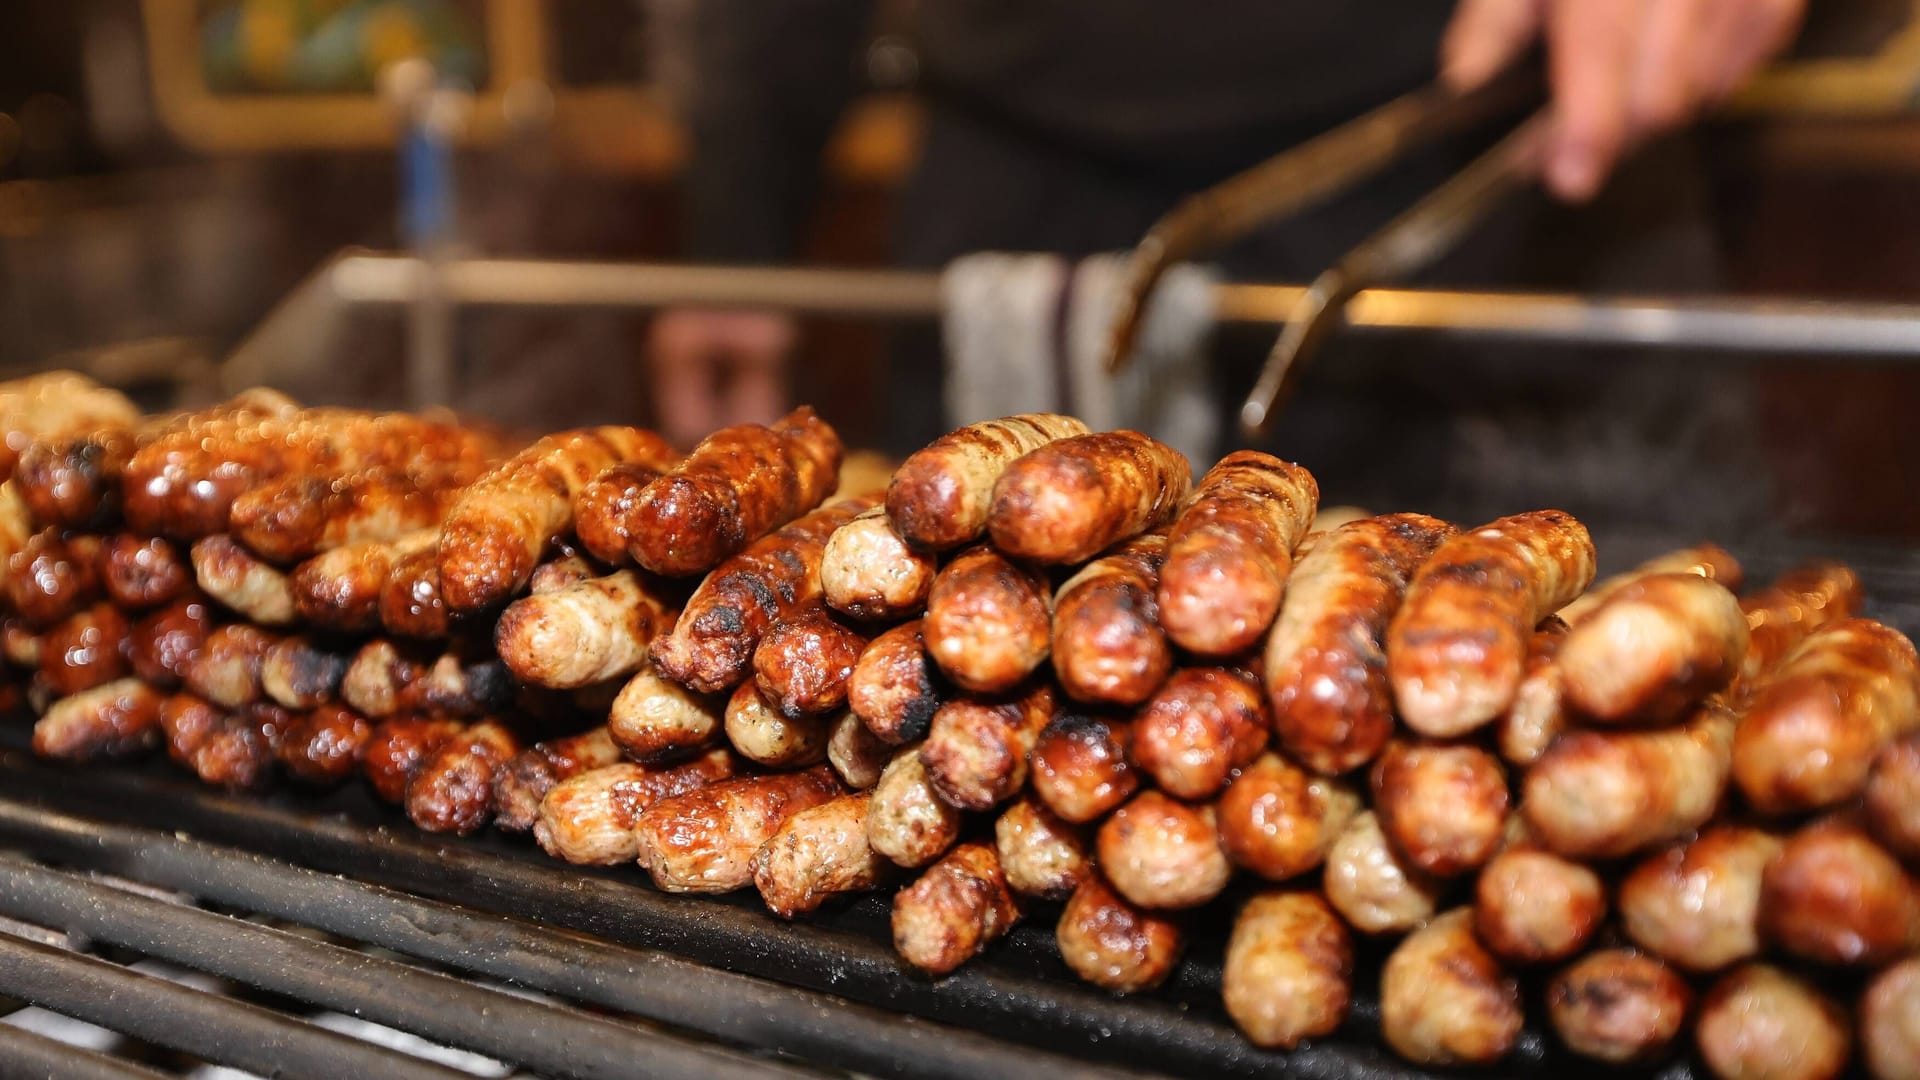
940,497
84,650
1618,1006
1163,853
1760,1023
1835,897
582,634
238,753
1108,646
115,719
704,841
300,673
908,821
452,792
324,745
892,688
762,734
805,661
868,572
1458,647
1115,945
1697,903
399,747
1893,798
588,819
816,854
955,909
1289,970
1443,806
976,751
1534,907
1280,821
1326,661
524,781
653,719
1041,855
855,753
1890,1021
242,581
1375,888
1709,561
1199,729
1079,766
187,720
1653,650
987,621
142,572
1538,714
1800,601
1445,1000
341,589
52,576
1070,499
412,604
305,514
602,510
1230,551
227,669
1606,794
162,646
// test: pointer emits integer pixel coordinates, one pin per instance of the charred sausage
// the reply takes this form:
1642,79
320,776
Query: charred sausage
1069,499
1230,551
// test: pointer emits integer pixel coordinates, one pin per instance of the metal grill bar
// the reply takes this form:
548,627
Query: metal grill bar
547,1038
27,1056
205,1025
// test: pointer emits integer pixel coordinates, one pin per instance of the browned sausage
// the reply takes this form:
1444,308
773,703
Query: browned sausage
1444,999
1071,498
399,747
711,647
738,485
301,673
1709,561
341,589
1799,602
954,910
1326,661
1653,650
115,719
1893,798
761,734
1760,1023
1289,971
163,644
1833,896
522,782
1115,945
987,621
1538,714
453,789
1444,806
588,819
378,676
653,719
1534,907
141,572
976,751
818,853
1606,794
186,721
226,671
561,572
1163,853
1079,766
324,745
411,602
52,576
1618,1006
602,510
1458,647
21,645
1815,722
1231,549
85,650
238,753
1198,729
1373,886
805,660
464,682
1041,855
52,404
303,515
1279,820
703,841
892,688
908,821
1890,1022
1108,647
243,582
868,572
1697,904
582,634
940,497
855,753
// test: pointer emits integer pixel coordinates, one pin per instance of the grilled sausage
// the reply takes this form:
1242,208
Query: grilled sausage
1893,798
892,687
1534,907
85,650
761,734
855,753
1079,766
1041,855
804,662
161,647
341,589
1653,650
51,404
412,604
868,572
1115,945
818,853
654,719
324,745
1760,1023
976,751
523,782
243,582
711,647
1279,820
563,571
588,819
1538,714
115,719
1709,561
1607,794
379,675
1289,971
238,753
460,683
1230,551
1814,723
987,621
1326,661
1443,806
303,515
908,821
958,907
738,485
940,497
227,669
22,646
1162,853
1072,498
1373,886
501,526
1444,999
586,633
1458,648
1697,904
186,721
1835,897
1799,602
602,510
1198,729
141,572
52,576
1890,1022
453,789
704,840
399,747
1108,647
300,673
1618,1006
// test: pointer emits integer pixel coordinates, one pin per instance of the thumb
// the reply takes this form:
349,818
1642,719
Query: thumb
1483,37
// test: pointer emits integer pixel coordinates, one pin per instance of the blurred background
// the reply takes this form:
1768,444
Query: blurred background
171,172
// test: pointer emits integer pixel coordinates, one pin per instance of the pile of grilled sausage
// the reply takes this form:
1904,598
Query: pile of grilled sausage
1042,665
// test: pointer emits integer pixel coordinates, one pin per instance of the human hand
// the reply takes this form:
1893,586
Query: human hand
1621,70
712,368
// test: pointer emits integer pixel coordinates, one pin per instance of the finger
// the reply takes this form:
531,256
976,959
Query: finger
1484,37
1749,33
1591,47
1666,88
